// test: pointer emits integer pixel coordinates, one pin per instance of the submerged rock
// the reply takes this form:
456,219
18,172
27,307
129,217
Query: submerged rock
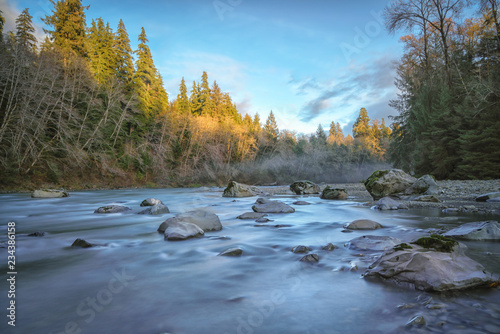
151,202
387,203
301,203
112,209
304,187
267,206
487,230
373,243
312,258
235,189
487,197
82,243
204,219
36,234
300,249
331,193
182,231
329,247
363,224
49,193
418,320
231,252
157,209
251,215
388,182
430,270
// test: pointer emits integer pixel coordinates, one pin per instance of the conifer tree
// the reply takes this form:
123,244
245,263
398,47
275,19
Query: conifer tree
25,30
102,57
2,22
271,128
68,25
205,98
123,52
361,127
182,99
320,135
194,99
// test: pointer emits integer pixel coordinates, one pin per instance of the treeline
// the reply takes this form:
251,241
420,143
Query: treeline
449,79
82,109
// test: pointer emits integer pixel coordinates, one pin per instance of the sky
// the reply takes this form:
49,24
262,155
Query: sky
309,61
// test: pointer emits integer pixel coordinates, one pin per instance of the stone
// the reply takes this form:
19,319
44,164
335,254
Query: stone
430,270
235,189
36,234
204,219
425,185
331,193
388,182
387,203
263,220
417,320
268,206
182,231
251,215
300,249
487,197
373,243
157,209
487,230
151,202
363,224
112,209
82,243
304,187
231,252
49,193
427,198
329,247
301,203
311,258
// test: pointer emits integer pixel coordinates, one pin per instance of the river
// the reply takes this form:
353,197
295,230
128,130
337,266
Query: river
136,282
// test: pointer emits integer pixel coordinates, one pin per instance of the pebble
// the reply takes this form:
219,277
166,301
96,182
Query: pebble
418,320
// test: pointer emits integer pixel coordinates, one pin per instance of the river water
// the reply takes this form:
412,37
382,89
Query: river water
136,282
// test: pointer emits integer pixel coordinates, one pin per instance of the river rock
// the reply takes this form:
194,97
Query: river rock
363,224
157,209
427,198
430,270
300,249
251,215
487,197
373,243
304,187
312,258
388,182
425,185
36,234
267,206
301,203
231,252
235,189
263,220
204,219
151,202
112,209
418,320
331,193
49,193
487,230
388,203
181,231
82,243
329,247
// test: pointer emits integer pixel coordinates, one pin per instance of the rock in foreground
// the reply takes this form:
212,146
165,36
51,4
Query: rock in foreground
182,231
49,193
235,189
267,206
304,187
388,182
363,224
112,209
430,270
373,243
204,219
157,209
488,230
331,193
151,202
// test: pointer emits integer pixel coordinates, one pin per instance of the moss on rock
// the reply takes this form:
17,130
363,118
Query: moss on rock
438,242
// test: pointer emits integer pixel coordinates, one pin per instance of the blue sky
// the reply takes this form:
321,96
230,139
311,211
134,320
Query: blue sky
311,62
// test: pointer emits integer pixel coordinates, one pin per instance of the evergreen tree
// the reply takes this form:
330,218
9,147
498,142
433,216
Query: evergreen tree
102,56
205,96
2,22
123,52
361,127
271,130
195,100
182,99
320,135
25,30
68,25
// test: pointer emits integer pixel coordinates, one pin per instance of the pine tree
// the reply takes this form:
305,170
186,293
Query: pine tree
68,24
194,99
361,127
25,30
205,100
320,135
271,130
102,57
182,99
2,22
124,62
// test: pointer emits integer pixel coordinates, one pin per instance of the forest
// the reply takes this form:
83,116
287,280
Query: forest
81,109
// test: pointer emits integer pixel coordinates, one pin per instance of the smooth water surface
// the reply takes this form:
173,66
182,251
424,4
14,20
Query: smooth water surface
136,282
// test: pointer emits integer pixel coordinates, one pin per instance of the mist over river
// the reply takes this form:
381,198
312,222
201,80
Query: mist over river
136,282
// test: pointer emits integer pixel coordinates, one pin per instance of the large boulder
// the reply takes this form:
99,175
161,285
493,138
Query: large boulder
488,197
204,219
151,202
333,193
157,209
181,231
387,203
425,185
267,206
49,193
373,243
388,182
363,224
428,269
112,209
235,189
304,187
488,230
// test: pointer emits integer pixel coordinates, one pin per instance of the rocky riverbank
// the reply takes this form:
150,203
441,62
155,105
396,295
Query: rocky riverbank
453,195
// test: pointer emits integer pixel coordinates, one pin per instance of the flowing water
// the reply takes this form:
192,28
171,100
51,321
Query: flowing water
136,282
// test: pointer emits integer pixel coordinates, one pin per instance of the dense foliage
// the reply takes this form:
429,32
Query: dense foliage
83,110
449,79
